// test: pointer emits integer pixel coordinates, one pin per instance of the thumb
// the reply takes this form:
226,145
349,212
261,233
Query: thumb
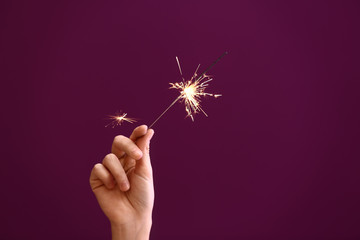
143,166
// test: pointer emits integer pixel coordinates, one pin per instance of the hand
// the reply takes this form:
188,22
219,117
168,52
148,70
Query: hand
123,185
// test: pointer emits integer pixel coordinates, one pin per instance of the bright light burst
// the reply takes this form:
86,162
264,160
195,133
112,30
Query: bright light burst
118,119
192,90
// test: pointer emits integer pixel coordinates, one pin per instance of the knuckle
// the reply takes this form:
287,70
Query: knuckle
108,158
134,151
120,177
95,171
97,166
119,138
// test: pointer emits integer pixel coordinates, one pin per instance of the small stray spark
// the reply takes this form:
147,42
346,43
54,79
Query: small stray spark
178,63
118,119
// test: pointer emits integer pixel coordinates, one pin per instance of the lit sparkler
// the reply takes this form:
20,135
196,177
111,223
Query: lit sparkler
192,90
119,118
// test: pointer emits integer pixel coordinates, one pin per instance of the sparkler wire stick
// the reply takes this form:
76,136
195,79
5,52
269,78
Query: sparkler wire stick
215,62
179,97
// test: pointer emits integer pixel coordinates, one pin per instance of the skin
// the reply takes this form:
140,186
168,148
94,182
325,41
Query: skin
123,185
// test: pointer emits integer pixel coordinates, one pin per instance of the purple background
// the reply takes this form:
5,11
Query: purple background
277,158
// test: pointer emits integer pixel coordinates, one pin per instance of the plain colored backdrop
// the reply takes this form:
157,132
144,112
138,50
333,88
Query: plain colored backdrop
277,158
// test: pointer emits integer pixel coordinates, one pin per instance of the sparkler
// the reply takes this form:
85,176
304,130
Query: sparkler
119,118
192,90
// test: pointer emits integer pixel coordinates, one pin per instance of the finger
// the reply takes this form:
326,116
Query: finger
99,172
143,166
123,145
112,163
138,132
128,163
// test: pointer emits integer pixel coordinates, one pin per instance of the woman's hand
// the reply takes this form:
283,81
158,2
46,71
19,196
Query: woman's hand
123,185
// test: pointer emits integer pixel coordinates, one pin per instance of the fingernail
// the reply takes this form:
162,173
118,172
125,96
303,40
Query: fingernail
124,186
138,154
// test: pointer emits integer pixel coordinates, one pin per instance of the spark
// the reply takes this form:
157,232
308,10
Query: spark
192,90
119,118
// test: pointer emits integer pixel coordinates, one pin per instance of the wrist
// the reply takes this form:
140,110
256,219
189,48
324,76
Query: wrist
138,231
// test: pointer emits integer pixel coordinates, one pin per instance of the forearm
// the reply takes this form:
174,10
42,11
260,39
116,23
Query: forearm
131,232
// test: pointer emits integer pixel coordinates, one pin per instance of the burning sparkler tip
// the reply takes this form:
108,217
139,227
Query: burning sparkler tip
192,90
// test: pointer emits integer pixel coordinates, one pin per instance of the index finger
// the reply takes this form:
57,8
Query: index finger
138,132
123,145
